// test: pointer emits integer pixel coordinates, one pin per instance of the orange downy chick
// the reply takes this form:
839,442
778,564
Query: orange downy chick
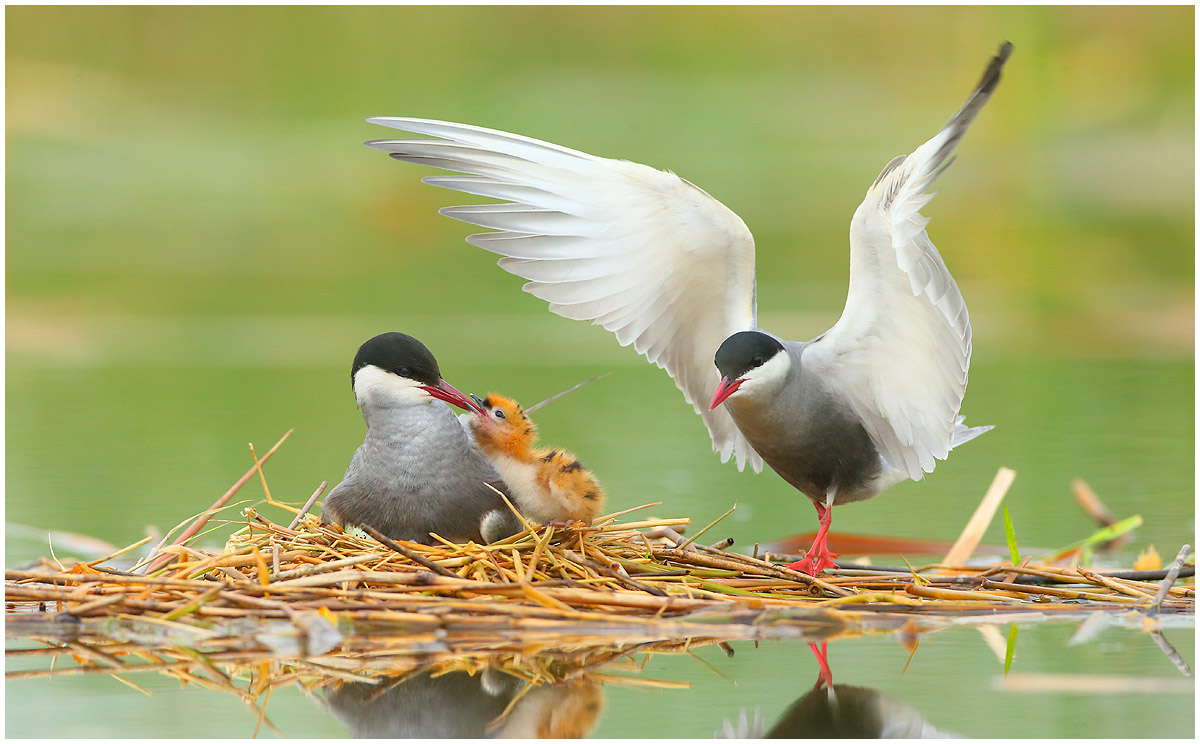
548,484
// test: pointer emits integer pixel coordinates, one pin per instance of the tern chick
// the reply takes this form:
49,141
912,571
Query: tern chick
548,485
416,472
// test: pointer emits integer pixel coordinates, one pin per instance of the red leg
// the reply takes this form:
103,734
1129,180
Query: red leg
825,676
818,557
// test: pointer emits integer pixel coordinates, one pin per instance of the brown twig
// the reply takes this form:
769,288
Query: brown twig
202,520
606,571
930,592
308,504
413,556
1169,580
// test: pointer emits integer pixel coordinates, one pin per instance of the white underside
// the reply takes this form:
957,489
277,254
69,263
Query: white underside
521,479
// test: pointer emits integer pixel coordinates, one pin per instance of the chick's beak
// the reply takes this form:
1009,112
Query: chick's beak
724,390
445,391
480,409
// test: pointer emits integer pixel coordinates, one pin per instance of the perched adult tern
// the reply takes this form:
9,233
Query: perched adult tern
417,471
656,260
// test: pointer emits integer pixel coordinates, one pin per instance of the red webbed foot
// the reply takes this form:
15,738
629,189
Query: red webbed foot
819,557
814,562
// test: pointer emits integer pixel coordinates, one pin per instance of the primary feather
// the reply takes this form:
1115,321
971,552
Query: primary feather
901,349
641,252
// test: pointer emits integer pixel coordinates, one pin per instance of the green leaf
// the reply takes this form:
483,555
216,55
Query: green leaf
918,579
1114,530
1085,555
1011,536
1010,647
1103,535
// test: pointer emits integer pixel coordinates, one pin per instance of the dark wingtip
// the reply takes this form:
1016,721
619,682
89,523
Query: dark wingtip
991,76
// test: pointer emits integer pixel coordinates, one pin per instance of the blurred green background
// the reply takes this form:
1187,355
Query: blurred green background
197,242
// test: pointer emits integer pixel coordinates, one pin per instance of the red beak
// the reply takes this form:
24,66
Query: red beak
724,390
445,391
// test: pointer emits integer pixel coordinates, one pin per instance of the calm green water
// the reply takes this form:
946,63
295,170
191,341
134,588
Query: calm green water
106,452
197,242
954,683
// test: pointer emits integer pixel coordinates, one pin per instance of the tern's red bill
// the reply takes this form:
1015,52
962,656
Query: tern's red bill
724,390
445,391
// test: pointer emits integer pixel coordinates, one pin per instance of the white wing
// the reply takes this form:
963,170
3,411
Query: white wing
644,253
901,349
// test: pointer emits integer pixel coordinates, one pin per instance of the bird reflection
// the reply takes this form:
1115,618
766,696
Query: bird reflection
851,712
834,711
459,705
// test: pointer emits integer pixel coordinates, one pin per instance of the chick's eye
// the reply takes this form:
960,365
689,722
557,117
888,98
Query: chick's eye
499,413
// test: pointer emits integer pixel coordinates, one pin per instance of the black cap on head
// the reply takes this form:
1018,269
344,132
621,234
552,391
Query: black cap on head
743,351
399,354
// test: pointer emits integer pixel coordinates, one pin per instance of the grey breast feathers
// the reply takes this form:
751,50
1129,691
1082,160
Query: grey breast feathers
414,477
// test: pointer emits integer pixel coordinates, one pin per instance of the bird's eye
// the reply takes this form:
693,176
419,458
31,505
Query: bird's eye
405,372
499,413
757,360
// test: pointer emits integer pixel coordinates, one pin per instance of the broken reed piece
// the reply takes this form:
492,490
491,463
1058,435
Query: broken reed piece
308,504
742,564
1169,580
711,524
413,556
966,543
1095,509
606,571
929,592
202,520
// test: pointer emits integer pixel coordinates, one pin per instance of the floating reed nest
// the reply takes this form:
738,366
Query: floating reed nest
611,575
557,611
311,597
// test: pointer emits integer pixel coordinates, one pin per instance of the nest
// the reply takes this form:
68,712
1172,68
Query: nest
608,576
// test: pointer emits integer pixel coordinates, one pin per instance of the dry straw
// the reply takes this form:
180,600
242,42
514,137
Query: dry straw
313,590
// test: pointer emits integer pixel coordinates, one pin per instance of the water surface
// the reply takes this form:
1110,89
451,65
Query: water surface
954,684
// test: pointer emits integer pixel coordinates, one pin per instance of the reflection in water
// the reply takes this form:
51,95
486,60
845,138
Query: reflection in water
381,689
461,705
850,712
832,711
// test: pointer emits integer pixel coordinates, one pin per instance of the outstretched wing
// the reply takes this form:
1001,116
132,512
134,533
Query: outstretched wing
641,252
901,349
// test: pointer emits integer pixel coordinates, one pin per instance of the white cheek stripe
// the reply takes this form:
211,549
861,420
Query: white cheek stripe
372,383
770,374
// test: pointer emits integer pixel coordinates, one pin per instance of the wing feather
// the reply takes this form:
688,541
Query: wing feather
901,350
641,252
